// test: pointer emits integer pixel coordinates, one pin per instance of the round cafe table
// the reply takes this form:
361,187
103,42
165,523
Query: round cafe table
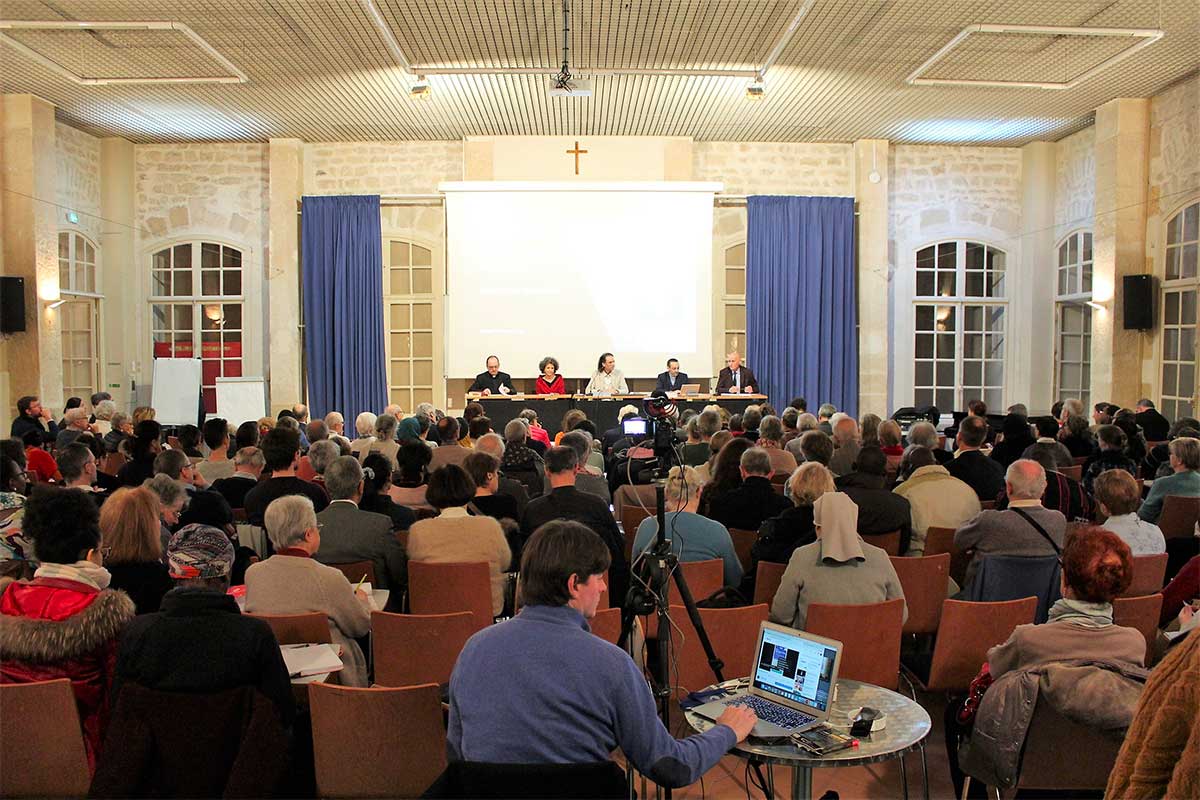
907,726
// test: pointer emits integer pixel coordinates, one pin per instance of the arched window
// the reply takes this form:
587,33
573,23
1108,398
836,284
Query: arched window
1073,318
79,315
959,308
196,307
408,300
1179,309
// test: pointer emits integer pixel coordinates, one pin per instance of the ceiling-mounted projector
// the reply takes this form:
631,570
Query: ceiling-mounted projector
571,88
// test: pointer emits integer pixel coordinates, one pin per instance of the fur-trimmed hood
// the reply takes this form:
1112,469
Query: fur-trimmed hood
39,640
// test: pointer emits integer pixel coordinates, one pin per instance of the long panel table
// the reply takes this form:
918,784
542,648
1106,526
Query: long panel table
602,411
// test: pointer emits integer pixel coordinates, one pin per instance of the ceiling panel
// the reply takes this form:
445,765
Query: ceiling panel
320,70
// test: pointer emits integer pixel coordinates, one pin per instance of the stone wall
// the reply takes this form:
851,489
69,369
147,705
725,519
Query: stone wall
1075,182
78,179
1174,163
776,167
381,167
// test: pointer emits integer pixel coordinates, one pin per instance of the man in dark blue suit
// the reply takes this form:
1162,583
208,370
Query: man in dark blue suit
671,380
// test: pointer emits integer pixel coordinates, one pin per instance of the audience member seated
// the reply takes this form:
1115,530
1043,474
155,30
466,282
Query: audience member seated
1063,494
293,582
218,464
200,625
845,446
493,445
40,465
1047,441
176,465
751,420
119,435
1153,424
65,622
868,426
143,449
78,467
746,506
719,440
804,423
1157,463
1111,455
33,416
472,412
537,434
189,441
129,525
693,537
1119,496
725,472
1185,482
350,534
1026,528
172,500
770,439
880,510
247,467
566,501
499,706
838,568
450,451
75,422
17,559
481,426
320,455
971,466
246,435
816,446
386,433
412,471
587,479
484,470
316,433
1016,439
937,498
1096,569
780,535
824,418
376,497
922,434
521,462
1076,437
456,536
1183,589
1135,443
335,426
364,427
281,453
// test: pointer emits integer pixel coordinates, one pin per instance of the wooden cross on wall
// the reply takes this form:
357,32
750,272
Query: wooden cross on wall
577,153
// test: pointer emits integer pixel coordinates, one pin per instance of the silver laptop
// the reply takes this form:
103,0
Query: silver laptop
791,689
689,389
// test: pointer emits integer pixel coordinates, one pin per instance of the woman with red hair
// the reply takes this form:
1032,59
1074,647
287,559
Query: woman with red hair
1096,568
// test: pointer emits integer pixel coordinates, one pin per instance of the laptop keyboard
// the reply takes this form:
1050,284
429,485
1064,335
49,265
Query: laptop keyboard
773,712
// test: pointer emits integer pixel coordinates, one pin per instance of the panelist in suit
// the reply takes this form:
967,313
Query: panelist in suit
607,379
493,381
735,378
672,379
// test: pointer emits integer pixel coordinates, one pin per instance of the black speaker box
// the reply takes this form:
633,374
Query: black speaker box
1138,304
12,304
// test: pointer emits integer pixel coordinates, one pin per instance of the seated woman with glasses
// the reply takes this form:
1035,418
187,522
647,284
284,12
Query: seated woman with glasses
292,582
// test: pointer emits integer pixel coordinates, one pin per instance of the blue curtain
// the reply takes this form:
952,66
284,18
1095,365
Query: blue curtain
342,262
801,306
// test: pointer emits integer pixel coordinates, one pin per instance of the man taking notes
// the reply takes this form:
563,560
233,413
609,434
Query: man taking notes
735,378
493,381
585,696
672,379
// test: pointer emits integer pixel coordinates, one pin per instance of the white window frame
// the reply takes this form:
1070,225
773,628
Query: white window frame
1177,285
1077,295
411,299
961,301
93,296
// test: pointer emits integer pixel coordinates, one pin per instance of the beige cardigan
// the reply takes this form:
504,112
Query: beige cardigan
938,500
298,585
456,536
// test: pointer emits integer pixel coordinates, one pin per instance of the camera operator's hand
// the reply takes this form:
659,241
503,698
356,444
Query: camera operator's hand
740,719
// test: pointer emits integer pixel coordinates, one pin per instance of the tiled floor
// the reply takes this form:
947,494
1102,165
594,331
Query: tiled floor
882,780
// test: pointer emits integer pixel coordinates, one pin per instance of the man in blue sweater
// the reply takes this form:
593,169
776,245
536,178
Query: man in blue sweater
542,689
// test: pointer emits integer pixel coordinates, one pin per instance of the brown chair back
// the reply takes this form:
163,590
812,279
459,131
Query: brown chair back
766,581
1074,472
987,505
703,578
631,518
925,581
1141,613
44,754
605,602
636,496
870,637
1050,735
409,649
298,628
1179,516
938,541
966,632
733,633
112,463
356,571
743,540
607,624
1080,460
240,517
890,541
1148,575
449,588
359,750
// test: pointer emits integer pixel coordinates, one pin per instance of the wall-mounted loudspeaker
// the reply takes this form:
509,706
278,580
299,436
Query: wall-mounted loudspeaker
12,304
1138,304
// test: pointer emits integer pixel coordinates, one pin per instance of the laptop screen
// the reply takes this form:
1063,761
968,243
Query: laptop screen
795,668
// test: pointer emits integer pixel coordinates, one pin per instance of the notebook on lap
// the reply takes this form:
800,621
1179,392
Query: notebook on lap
791,689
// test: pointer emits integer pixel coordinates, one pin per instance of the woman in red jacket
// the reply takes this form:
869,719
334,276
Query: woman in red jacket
65,622
549,382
